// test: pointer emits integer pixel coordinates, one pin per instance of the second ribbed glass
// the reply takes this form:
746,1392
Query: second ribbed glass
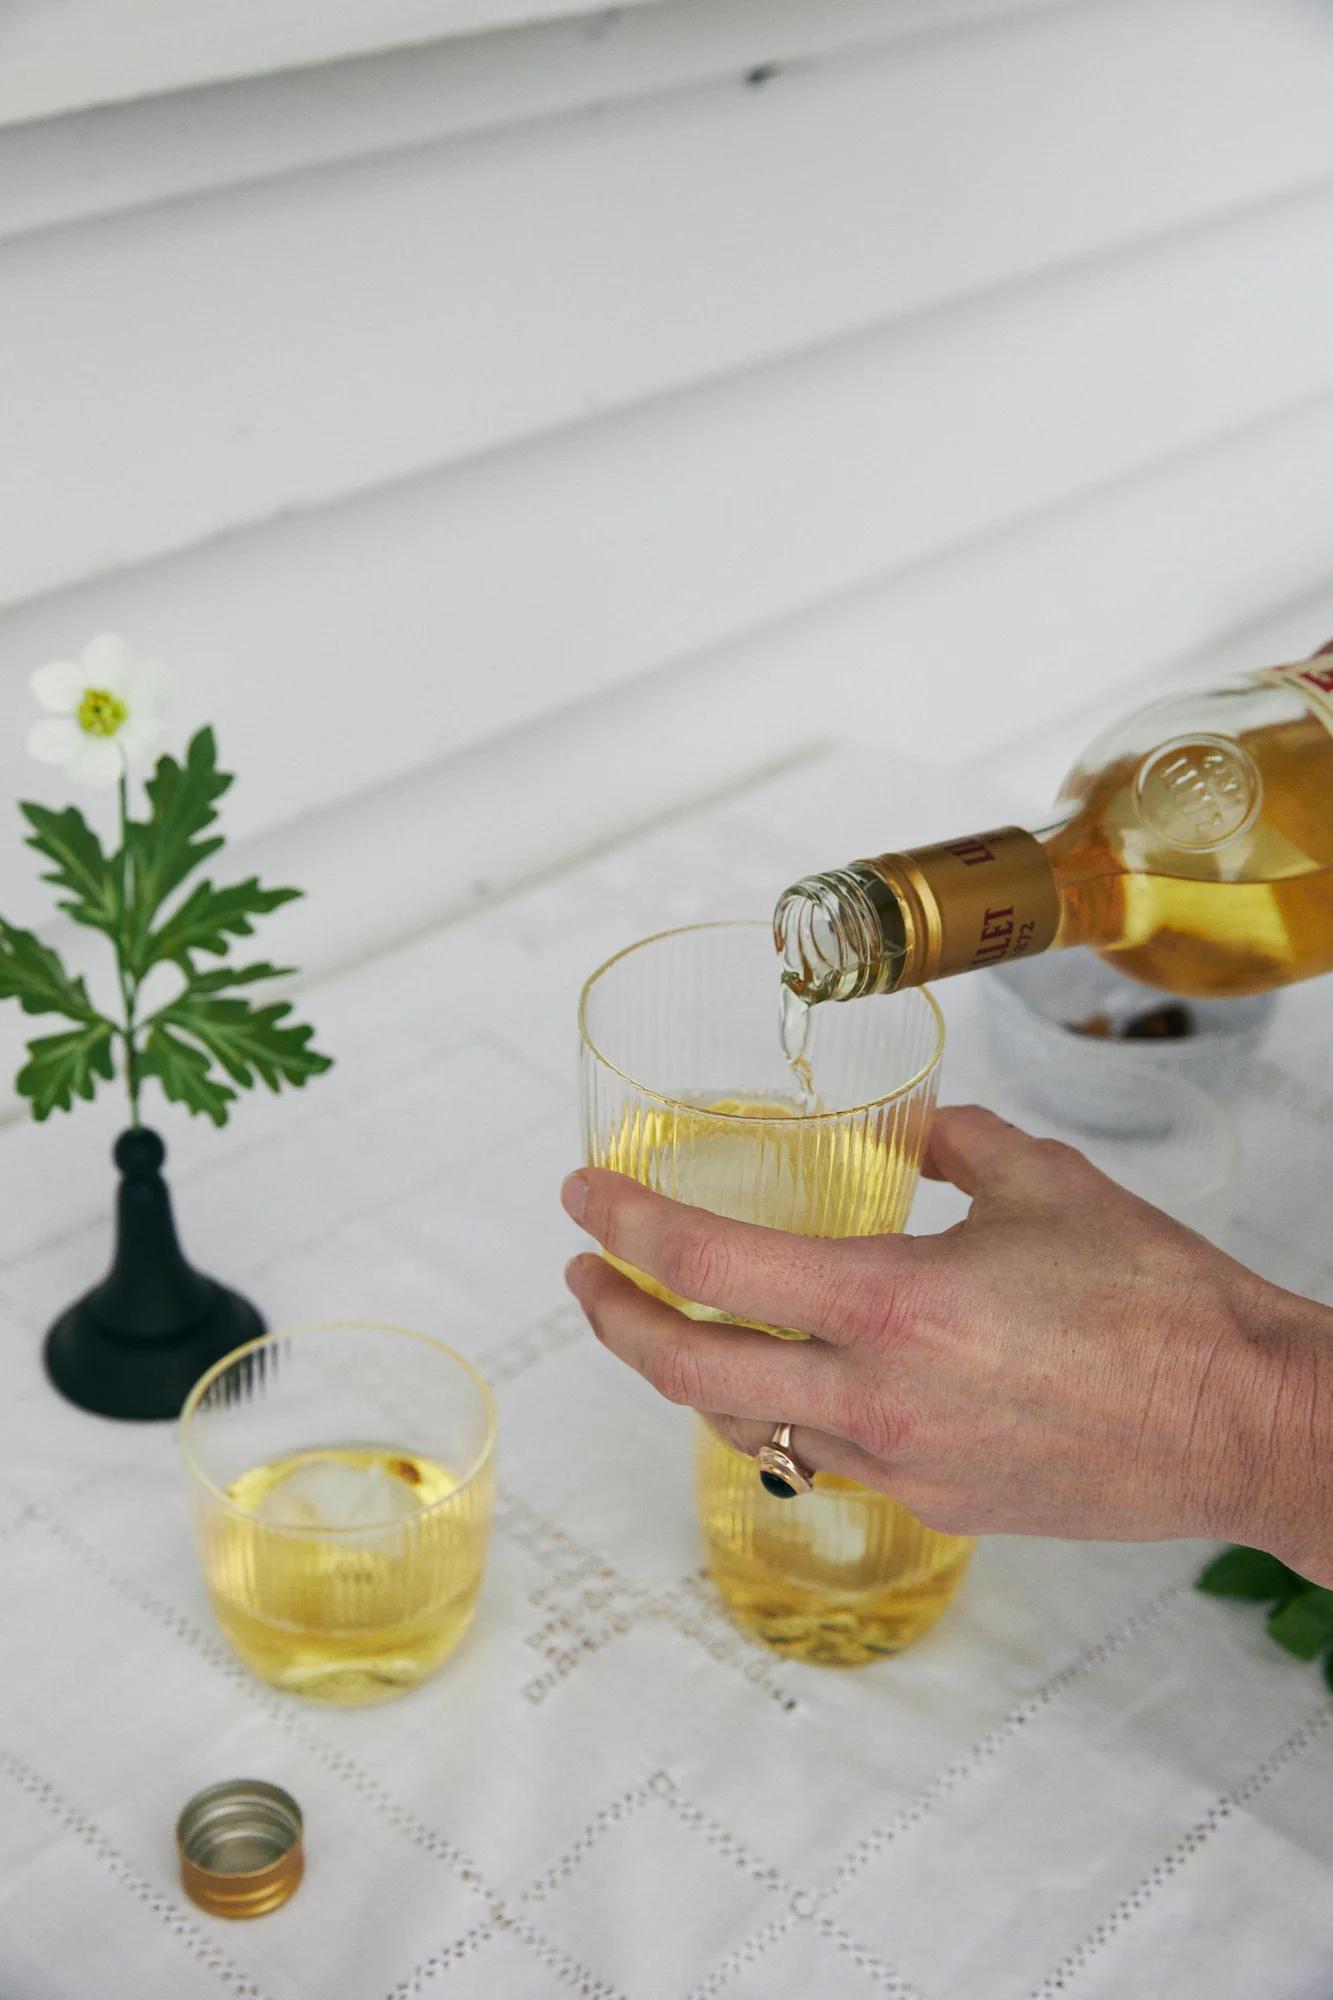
342,1481
685,1087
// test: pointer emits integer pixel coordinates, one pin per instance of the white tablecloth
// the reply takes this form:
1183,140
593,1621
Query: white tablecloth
1087,1781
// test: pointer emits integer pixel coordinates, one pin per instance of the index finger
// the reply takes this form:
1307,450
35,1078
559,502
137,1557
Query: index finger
826,1286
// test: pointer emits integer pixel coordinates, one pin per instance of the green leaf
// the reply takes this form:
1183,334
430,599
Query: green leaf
32,974
248,1041
1304,1624
92,880
185,1074
1248,1573
63,1067
209,918
223,976
1328,1667
166,847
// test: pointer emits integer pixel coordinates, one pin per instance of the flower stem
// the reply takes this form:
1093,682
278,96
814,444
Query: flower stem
129,985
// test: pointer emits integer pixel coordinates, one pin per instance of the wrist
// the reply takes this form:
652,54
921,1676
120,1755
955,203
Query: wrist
1279,1495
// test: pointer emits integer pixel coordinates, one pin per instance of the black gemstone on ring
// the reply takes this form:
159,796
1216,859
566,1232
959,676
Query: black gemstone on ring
774,1483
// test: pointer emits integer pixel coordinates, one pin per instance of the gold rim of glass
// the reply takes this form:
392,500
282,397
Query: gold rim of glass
683,1104
206,1381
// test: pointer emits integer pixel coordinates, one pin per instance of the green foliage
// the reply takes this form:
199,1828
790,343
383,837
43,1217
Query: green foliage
209,917
247,1042
167,846
185,1073
62,1067
1301,1618
207,1042
32,974
92,880
219,977
1303,1622
1248,1573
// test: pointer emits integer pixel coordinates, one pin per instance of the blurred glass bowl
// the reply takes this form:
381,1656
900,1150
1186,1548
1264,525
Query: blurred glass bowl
1072,1008
1158,1135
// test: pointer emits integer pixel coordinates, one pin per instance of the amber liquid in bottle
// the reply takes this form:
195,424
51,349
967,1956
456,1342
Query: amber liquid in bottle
1192,847
1183,924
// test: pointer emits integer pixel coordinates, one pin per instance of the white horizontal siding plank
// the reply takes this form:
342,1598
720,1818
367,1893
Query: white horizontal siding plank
1036,757
284,344
1214,563
471,601
57,171
60,55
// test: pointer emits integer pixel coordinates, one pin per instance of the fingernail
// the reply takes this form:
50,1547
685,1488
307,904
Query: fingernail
574,1194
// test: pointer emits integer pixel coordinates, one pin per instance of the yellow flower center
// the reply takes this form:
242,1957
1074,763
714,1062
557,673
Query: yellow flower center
100,713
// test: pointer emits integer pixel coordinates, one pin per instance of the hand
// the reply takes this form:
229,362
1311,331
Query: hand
1066,1361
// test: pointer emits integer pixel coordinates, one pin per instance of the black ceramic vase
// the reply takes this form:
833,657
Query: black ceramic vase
137,1343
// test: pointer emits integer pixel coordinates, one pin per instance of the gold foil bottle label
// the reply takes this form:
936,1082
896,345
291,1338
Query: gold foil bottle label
1311,678
973,902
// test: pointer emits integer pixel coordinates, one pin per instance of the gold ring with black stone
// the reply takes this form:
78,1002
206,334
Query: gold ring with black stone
780,1471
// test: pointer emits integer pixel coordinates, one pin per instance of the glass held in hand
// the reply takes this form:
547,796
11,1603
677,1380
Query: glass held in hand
686,1087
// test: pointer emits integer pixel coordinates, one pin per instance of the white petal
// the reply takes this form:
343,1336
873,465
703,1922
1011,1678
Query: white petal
140,734
106,663
97,761
59,686
54,739
149,686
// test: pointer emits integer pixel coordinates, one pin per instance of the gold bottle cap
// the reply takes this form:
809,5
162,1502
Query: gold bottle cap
240,1847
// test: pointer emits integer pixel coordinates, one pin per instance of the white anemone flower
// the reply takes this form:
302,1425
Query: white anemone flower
105,708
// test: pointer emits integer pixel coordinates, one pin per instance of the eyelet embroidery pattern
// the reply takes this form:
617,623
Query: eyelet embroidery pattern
1184,1851
52,1801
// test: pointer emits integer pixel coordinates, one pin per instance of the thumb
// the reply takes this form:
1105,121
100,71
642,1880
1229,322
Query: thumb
977,1151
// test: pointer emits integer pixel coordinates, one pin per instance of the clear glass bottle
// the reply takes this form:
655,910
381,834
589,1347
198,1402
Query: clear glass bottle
1192,844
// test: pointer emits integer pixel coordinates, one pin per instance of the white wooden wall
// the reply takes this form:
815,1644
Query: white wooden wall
514,422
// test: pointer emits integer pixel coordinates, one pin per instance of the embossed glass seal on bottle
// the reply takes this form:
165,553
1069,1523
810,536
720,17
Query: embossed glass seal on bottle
1192,844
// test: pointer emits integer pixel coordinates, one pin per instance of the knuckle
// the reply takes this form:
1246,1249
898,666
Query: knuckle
695,1265
878,1426
947,1520
882,1310
674,1373
945,1512
854,1300
732,1433
1059,1157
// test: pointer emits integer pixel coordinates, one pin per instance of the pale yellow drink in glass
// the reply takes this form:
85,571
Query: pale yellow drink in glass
343,1571
351,1615
841,1575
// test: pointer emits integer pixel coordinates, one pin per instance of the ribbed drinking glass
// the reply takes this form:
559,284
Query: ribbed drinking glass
342,1485
685,1087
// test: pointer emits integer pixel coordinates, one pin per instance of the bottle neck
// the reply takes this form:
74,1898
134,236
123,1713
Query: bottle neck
904,919
840,935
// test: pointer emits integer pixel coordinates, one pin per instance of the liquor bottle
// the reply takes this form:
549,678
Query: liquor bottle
1192,845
